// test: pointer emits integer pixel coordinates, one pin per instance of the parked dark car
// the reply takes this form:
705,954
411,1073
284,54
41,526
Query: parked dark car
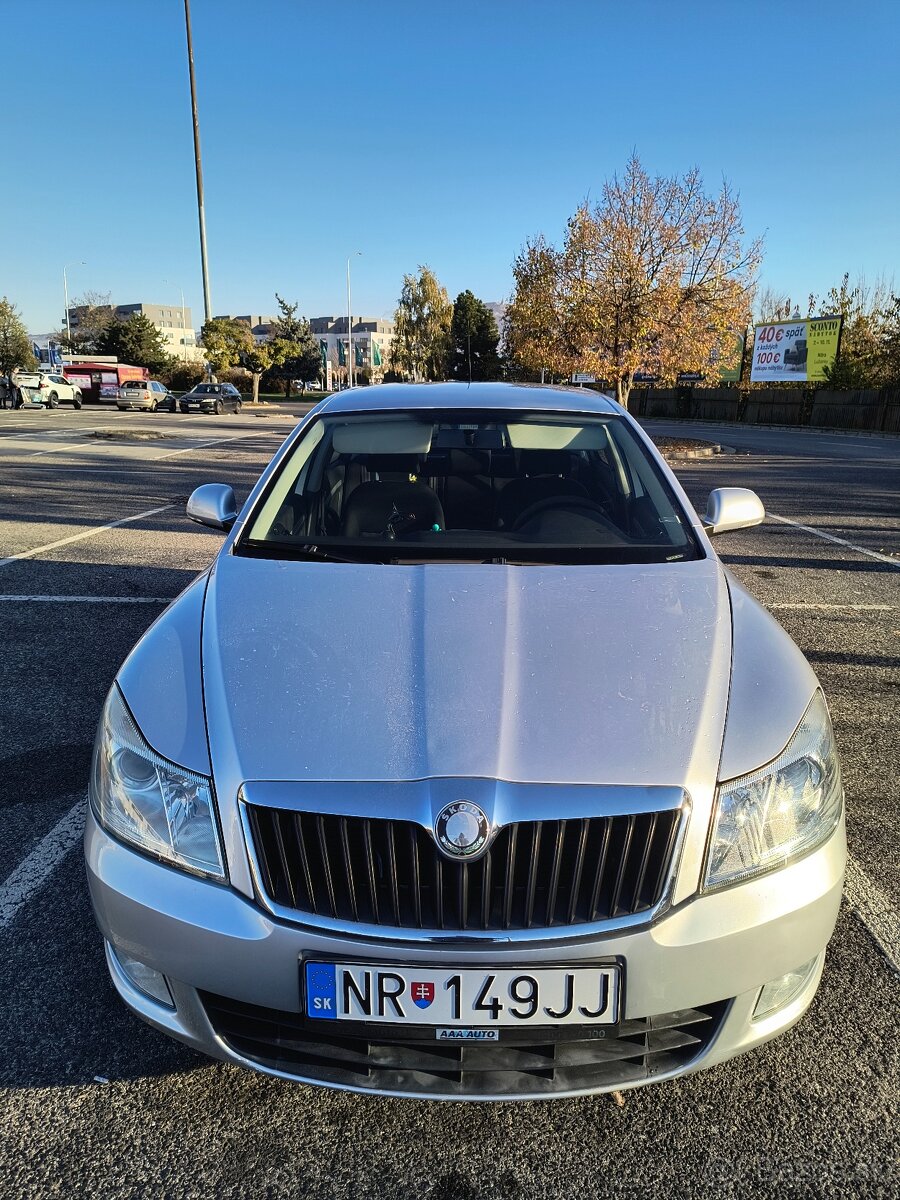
211,398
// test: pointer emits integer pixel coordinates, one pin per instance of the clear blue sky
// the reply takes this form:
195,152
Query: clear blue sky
420,131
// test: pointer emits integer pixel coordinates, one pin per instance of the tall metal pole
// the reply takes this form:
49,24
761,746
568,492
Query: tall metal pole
68,326
349,330
350,321
207,304
183,339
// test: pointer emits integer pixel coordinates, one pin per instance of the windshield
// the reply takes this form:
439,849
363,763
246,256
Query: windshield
501,487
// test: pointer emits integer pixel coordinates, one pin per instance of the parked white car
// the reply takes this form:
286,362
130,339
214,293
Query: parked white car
38,389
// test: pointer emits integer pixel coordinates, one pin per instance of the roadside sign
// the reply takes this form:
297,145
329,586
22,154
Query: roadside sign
798,350
580,378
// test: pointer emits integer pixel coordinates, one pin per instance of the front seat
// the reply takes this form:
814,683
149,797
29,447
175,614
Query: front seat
543,473
371,505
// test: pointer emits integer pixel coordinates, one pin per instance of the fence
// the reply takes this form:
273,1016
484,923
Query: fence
875,409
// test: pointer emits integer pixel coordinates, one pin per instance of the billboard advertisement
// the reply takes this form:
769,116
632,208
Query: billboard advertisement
730,364
795,351
109,385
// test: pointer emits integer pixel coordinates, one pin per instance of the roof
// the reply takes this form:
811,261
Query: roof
468,396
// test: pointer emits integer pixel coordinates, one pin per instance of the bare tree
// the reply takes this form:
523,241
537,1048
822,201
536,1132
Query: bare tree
94,313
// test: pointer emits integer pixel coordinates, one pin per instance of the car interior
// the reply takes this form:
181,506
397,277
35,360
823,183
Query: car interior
479,482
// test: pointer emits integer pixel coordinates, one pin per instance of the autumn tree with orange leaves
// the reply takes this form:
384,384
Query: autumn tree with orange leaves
655,278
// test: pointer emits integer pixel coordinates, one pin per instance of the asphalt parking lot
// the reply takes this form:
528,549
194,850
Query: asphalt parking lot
93,542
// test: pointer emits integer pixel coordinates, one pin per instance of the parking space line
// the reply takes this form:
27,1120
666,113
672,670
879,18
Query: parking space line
67,446
26,431
200,445
126,469
77,537
12,598
876,911
31,873
830,537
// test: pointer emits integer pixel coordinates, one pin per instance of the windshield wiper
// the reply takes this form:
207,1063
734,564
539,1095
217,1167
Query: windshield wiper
297,551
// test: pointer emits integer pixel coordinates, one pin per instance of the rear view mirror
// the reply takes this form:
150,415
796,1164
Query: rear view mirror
213,504
732,508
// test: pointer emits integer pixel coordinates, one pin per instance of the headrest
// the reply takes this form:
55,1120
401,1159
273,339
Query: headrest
402,464
368,508
544,462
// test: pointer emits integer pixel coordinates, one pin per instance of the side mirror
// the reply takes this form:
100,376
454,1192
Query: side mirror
214,505
732,508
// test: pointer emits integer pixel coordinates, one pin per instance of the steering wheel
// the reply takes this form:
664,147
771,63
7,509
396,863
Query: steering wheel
564,502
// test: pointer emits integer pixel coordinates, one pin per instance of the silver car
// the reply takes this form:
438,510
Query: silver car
145,394
467,771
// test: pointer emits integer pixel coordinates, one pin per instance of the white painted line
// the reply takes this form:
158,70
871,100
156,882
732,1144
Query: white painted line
837,607
875,909
11,598
62,449
201,445
128,467
830,537
32,872
77,537
16,432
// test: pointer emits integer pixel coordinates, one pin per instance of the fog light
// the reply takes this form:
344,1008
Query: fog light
145,979
778,993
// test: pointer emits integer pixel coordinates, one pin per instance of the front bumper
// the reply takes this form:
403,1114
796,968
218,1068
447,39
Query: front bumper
710,955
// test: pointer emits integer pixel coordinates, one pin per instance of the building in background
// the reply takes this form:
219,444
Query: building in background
499,311
371,344
260,327
172,321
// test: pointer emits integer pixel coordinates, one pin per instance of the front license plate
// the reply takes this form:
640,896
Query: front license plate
465,998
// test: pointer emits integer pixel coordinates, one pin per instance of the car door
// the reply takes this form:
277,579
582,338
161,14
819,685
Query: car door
62,387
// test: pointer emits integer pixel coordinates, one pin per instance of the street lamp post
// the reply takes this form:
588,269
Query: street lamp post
66,295
350,323
207,303
183,335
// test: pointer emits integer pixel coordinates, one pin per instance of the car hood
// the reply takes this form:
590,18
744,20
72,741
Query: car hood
583,675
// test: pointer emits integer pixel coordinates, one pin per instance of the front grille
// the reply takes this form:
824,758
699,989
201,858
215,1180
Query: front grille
536,874
520,1064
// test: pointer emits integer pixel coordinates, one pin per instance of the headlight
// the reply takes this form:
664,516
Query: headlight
152,804
782,811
